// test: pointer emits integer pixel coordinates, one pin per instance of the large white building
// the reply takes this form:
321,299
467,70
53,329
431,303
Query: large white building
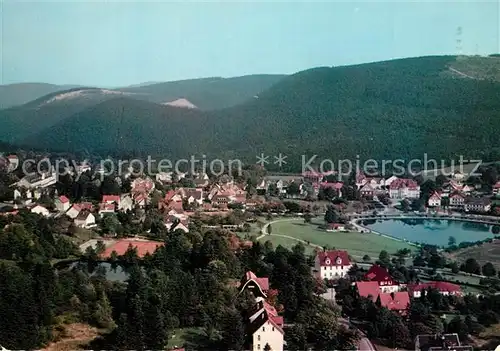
402,188
332,264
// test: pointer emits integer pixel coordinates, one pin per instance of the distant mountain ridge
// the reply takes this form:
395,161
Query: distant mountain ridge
397,109
205,93
22,93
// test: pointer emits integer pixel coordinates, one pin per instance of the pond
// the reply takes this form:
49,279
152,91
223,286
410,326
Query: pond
431,231
114,273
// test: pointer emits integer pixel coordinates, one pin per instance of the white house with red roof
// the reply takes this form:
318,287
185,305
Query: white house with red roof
380,275
265,328
403,188
333,264
444,288
434,200
141,185
62,203
395,301
258,286
109,199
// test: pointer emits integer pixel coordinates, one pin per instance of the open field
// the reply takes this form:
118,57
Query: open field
356,243
178,337
488,252
285,242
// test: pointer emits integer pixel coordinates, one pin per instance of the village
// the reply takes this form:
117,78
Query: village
117,214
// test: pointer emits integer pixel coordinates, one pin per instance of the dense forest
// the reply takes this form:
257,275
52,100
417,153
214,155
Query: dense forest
394,109
188,283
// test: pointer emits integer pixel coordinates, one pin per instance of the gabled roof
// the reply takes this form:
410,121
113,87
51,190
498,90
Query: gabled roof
261,317
397,301
456,194
106,207
83,206
435,195
368,289
63,199
169,195
261,283
330,258
111,198
367,187
82,216
377,273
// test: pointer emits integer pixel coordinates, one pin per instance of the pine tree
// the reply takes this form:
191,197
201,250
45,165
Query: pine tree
121,333
155,332
135,324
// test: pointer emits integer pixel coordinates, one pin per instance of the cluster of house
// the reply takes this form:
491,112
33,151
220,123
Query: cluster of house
456,195
379,286
308,185
264,327
206,196
394,187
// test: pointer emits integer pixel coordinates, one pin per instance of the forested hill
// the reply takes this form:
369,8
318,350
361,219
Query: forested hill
393,109
206,93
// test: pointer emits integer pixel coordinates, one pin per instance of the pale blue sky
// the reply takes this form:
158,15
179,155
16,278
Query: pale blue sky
119,43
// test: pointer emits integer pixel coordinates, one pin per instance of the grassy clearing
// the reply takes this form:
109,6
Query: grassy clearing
356,243
285,242
178,337
487,252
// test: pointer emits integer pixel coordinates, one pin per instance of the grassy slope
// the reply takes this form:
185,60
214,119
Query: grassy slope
208,93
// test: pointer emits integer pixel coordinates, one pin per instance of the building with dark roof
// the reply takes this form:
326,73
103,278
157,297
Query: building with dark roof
440,342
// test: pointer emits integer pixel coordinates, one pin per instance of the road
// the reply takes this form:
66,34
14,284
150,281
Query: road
263,231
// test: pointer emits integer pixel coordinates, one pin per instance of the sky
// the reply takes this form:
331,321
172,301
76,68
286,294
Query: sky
119,43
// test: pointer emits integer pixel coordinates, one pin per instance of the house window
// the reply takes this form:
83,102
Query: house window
258,346
263,329
273,328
